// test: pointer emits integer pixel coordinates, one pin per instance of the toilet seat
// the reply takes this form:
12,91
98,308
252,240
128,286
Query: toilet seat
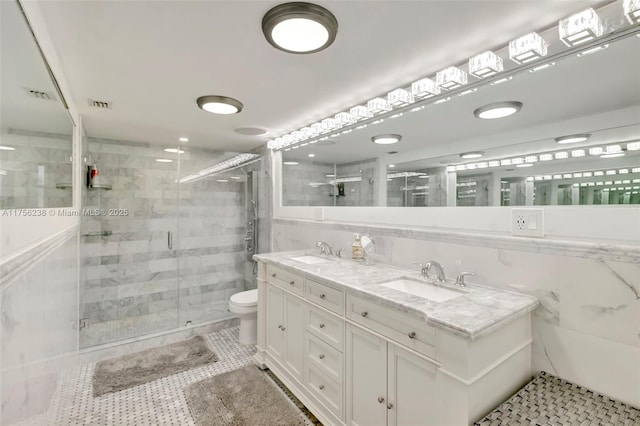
245,299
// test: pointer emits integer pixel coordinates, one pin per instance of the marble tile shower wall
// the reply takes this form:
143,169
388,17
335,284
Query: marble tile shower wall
296,188
133,283
39,322
587,328
29,174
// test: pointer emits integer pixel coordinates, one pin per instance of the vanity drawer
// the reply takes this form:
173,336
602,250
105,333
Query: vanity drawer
325,326
410,332
285,279
324,357
325,296
326,390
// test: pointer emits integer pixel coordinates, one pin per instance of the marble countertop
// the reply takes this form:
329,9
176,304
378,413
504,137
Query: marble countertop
476,313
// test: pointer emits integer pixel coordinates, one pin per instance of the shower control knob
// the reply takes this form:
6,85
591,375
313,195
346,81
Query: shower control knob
380,399
321,387
412,335
389,406
292,282
365,314
321,356
321,325
322,296
273,275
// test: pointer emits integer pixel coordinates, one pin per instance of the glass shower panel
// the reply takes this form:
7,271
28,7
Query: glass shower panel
130,267
212,226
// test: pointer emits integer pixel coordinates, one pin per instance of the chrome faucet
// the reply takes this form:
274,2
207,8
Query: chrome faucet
439,270
325,248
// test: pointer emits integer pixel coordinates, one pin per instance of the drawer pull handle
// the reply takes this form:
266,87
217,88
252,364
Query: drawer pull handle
380,399
292,282
412,335
273,275
364,314
321,387
389,406
322,296
321,325
321,356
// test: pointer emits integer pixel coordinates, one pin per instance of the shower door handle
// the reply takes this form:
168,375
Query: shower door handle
170,240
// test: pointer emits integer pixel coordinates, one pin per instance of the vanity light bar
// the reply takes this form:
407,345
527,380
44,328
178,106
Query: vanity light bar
229,164
529,160
405,174
574,30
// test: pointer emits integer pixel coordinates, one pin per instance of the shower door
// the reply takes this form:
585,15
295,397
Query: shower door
211,232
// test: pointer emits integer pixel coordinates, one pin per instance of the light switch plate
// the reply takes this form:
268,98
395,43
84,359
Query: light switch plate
527,222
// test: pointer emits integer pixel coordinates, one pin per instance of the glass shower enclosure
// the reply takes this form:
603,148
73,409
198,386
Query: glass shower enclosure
164,244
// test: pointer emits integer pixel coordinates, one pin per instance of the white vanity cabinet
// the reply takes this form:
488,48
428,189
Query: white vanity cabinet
388,385
354,360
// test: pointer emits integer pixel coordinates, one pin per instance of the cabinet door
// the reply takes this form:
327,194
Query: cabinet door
412,389
366,378
294,334
275,322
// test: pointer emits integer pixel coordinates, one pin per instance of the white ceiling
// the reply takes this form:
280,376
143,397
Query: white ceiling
153,59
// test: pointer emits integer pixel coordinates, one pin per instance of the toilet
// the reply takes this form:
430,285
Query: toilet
245,306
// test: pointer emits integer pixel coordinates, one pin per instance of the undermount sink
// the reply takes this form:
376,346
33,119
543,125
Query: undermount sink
423,289
311,260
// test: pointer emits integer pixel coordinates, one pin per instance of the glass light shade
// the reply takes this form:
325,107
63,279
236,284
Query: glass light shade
300,35
329,124
318,128
485,64
632,10
399,97
581,27
633,146
344,118
531,159
527,48
546,157
595,151
297,135
613,149
360,112
378,105
451,78
424,88
577,153
308,132
562,155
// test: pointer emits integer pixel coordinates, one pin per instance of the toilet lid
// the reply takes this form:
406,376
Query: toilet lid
245,298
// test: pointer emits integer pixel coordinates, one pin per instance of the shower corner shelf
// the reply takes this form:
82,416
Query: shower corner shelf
101,186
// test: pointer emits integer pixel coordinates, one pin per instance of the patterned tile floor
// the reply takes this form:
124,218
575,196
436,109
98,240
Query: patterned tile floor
160,402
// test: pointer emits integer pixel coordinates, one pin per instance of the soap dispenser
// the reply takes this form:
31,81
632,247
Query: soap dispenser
356,249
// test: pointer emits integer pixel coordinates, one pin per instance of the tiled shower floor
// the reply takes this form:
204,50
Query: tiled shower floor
160,402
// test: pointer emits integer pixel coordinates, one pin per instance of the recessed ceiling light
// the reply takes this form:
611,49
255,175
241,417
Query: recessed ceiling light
311,155
386,139
391,166
473,154
299,27
222,180
6,148
236,177
290,163
498,110
174,150
251,131
219,104
164,160
572,138
183,139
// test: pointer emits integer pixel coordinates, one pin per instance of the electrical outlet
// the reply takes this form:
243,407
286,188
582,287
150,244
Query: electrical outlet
527,222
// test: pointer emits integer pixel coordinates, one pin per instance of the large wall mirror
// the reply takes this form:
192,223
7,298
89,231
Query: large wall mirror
35,127
519,160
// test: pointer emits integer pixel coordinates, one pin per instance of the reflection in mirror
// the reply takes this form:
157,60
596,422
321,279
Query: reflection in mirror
36,129
522,159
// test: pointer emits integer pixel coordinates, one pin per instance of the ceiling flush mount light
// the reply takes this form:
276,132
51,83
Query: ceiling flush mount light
572,138
219,104
581,27
498,110
183,139
632,11
299,27
527,48
451,78
485,64
473,154
387,139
